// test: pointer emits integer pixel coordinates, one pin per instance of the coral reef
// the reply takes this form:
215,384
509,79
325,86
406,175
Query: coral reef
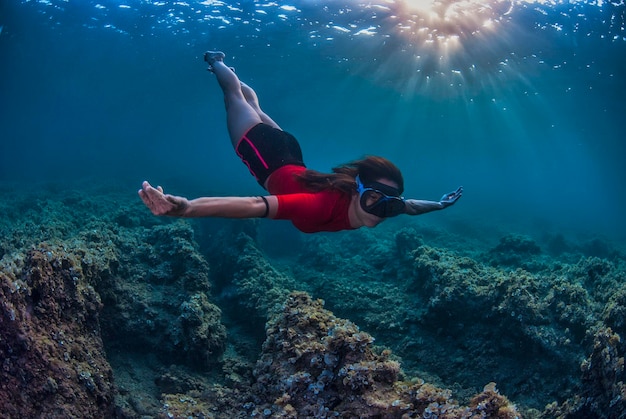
156,298
146,278
436,309
111,312
603,392
53,361
312,361
515,251
316,365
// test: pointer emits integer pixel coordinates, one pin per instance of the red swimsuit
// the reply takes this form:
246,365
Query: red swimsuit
310,212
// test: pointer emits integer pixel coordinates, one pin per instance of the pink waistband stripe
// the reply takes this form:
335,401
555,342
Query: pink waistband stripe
256,151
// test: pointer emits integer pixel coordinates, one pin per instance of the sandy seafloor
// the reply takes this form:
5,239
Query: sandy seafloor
512,303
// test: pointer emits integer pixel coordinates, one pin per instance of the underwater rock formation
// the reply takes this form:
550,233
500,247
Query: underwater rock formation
53,361
315,365
515,251
156,297
312,361
242,275
159,296
437,309
603,393
150,289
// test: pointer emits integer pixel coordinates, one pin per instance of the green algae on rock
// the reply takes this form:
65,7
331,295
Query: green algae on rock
603,394
165,296
53,360
316,365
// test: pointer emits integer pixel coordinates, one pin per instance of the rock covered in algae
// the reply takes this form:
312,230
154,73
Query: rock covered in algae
113,271
603,393
156,297
53,361
314,364
455,317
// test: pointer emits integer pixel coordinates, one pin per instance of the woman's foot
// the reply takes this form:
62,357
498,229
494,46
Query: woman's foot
212,56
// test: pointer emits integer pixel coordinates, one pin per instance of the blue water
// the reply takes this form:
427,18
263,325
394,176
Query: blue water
522,103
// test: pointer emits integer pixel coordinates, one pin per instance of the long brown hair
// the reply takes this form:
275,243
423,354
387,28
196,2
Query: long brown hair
369,168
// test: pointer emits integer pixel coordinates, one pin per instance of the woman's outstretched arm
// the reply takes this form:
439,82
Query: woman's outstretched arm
227,207
417,207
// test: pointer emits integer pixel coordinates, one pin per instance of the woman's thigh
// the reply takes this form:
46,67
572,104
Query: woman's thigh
240,117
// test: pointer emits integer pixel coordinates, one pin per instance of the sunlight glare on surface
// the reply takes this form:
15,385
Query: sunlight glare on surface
441,20
443,39
453,44
445,46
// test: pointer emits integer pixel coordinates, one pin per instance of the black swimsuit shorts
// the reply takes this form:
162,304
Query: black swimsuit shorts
265,149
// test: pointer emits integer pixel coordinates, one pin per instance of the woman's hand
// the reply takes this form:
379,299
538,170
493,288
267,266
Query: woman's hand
162,204
450,198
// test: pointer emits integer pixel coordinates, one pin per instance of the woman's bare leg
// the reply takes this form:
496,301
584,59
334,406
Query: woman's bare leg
240,114
253,100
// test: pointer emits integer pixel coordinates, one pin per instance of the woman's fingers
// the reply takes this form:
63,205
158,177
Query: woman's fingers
154,198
